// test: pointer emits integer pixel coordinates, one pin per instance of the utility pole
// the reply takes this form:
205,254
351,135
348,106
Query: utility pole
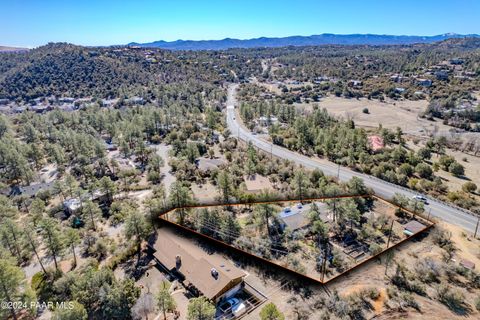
324,266
476,228
390,233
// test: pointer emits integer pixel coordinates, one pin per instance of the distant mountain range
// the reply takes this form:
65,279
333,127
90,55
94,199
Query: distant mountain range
321,39
11,49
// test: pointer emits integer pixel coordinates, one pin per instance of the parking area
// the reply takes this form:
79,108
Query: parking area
243,303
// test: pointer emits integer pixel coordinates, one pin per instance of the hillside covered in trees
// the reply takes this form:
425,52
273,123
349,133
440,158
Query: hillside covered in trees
66,70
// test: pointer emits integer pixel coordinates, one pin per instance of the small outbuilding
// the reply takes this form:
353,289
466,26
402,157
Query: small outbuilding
413,227
467,264
72,206
376,143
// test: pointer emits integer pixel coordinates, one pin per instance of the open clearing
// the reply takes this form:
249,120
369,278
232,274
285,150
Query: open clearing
390,114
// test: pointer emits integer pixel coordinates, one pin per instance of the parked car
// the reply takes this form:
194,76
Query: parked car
299,206
239,309
287,209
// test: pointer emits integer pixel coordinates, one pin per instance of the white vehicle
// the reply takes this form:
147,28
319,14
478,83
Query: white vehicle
420,198
299,205
287,209
239,309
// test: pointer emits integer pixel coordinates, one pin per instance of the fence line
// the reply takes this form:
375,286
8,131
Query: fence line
432,223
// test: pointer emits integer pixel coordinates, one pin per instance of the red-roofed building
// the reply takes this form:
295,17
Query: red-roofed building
376,143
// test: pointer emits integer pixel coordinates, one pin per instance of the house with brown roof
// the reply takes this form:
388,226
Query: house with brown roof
212,277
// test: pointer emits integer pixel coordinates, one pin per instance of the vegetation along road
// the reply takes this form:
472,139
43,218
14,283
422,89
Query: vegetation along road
382,188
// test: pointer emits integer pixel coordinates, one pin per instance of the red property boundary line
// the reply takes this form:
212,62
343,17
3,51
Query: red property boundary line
241,251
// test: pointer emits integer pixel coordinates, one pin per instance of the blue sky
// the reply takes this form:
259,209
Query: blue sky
104,22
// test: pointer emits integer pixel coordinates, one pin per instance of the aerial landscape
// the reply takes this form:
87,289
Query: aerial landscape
290,161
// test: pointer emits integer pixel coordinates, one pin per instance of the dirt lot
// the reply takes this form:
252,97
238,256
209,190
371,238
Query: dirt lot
205,193
390,114
372,275
472,170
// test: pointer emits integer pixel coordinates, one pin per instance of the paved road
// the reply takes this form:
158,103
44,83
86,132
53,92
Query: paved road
382,188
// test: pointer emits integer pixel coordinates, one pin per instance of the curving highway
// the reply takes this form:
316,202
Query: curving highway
382,188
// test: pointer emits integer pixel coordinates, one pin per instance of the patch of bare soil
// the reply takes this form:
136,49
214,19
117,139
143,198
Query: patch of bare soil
390,114
472,170
205,193
467,246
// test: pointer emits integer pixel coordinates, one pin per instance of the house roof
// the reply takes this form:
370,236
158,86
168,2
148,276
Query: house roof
29,191
414,226
72,204
376,142
196,270
467,264
205,164
296,221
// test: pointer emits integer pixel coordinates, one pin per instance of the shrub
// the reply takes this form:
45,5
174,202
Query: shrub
42,285
270,312
404,280
154,177
122,257
473,278
441,237
372,293
408,300
469,187
338,261
452,298
477,303
424,153
405,169
365,110
445,162
375,249
427,270
424,170
456,169
417,287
